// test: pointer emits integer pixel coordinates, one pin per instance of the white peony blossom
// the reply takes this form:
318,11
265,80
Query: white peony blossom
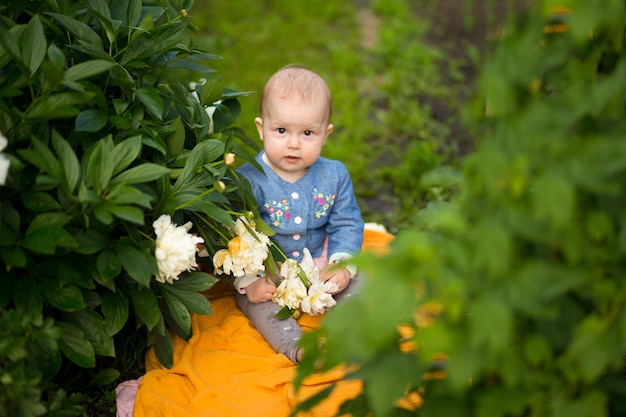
246,252
294,294
291,290
4,161
175,248
319,299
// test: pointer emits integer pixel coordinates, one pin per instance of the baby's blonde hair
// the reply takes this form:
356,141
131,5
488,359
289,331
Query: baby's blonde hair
296,79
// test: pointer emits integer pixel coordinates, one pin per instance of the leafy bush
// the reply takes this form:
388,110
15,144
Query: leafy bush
526,264
102,138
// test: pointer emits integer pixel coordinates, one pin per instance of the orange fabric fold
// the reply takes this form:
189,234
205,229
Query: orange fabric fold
227,369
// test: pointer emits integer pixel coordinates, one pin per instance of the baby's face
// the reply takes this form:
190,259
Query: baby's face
293,132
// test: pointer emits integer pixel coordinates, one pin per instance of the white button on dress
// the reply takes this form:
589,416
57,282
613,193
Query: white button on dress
297,220
295,195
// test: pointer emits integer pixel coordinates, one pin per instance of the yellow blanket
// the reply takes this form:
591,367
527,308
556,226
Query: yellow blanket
227,369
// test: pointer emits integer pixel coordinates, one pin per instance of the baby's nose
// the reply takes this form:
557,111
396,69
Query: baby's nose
293,141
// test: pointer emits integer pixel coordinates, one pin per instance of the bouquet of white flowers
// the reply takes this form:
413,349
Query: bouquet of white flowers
299,288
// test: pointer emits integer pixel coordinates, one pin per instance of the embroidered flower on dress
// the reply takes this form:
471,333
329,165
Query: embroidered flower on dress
322,203
175,249
279,212
246,252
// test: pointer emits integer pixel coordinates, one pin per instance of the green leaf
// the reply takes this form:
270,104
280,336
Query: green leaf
146,307
103,15
13,257
125,153
164,350
100,164
105,377
129,12
140,174
10,49
70,166
90,242
102,214
128,213
90,120
40,202
160,41
176,141
108,264
192,300
60,105
82,31
553,200
216,213
141,266
93,326
388,378
205,152
46,239
115,310
75,345
491,324
87,69
27,296
211,91
178,313
43,158
64,297
34,46
195,281
151,98
131,195
46,220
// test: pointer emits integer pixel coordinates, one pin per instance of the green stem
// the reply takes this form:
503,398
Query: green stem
196,198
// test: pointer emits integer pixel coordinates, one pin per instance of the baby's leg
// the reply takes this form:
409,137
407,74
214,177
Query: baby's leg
282,335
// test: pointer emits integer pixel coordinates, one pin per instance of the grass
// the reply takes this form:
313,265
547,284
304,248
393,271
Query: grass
382,91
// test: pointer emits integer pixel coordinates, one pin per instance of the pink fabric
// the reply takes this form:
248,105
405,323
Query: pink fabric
321,261
126,392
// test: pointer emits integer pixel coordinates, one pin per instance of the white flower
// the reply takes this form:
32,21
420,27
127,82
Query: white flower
4,161
175,248
210,110
291,290
245,254
319,298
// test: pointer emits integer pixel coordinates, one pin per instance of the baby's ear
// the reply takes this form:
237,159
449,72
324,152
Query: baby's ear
329,130
259,126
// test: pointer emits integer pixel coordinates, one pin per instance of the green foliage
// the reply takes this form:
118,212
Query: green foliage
527,260
382,74
104,138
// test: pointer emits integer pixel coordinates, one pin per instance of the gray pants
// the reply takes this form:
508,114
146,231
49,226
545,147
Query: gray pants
283,334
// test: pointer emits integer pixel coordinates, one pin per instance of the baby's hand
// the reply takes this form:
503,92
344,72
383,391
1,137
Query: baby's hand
260,290
340,276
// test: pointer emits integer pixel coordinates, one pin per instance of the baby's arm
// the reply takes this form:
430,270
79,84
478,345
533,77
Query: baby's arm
260,290
338,275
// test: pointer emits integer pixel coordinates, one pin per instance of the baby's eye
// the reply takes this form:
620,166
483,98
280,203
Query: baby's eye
308,132
281,130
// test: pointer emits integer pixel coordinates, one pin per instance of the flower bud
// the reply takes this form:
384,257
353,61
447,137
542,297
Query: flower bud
229,159
220,186
184,12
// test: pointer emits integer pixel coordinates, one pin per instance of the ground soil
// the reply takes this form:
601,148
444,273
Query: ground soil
457,27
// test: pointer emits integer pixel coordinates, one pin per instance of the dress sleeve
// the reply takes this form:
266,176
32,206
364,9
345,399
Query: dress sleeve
345,225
